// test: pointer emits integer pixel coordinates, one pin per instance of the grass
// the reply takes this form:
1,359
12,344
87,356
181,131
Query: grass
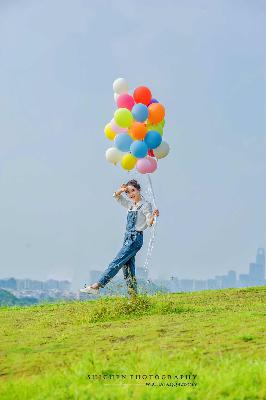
47,351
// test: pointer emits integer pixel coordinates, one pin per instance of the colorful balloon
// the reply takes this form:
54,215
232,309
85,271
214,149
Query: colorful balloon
142,95
153,101
128,161
123,142
143,165
156,113
162,150
109,133
138,130
113,155
123,117
125,101
116,128
155,127
153,139
116,95
139,149
140,112
120,86
152,164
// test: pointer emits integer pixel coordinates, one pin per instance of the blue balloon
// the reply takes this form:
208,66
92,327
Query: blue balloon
139,149
153,139
140,112
123,141
153,101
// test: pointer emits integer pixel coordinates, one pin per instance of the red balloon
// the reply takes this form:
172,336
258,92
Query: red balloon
151,153
143,95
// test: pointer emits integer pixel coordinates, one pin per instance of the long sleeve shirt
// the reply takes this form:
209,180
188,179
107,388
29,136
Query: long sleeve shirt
144,213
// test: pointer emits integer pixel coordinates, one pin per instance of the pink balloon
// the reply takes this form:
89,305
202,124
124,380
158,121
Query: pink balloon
143,165
125,101
152,164
116,128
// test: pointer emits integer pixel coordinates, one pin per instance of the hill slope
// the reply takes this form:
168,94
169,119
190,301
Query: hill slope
203,345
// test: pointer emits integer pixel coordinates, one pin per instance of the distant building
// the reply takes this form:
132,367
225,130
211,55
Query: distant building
211,284
200,285
64,285
186,285
9,283
50,284
231,279
244,280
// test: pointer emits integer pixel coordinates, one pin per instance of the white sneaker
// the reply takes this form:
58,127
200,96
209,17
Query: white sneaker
89,290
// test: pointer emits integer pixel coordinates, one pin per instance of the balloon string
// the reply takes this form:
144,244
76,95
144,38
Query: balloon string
153,232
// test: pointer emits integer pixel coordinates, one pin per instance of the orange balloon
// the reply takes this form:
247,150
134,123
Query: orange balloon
156,113
138,130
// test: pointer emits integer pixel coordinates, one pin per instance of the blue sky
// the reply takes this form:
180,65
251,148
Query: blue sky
204,60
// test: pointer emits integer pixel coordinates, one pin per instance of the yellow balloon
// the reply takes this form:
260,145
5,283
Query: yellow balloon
128,161
109,133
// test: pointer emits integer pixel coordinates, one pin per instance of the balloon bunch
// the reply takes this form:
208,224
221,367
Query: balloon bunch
136,129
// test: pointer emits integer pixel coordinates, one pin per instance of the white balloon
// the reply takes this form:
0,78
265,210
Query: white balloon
116,95
113,155
162,150
120,86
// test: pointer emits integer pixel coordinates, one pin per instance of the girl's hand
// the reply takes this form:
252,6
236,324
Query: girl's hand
155,213
123,187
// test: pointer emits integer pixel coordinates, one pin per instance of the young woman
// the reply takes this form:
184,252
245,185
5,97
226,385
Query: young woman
139,217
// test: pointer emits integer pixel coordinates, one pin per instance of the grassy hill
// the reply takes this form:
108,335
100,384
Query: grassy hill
207,345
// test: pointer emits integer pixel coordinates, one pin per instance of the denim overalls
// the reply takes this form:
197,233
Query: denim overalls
133,241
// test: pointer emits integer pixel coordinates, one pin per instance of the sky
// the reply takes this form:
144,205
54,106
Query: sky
204,60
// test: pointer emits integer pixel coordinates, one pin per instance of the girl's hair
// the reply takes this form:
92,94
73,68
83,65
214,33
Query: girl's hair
134,183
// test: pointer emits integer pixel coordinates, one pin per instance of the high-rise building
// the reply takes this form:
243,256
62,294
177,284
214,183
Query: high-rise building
260,258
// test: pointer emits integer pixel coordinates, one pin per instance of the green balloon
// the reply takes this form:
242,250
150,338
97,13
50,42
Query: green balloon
123,117
157,127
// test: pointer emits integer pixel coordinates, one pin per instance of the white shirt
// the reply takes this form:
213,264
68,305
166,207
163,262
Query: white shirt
144,213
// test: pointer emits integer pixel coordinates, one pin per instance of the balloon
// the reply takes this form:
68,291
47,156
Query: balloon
123,117
116,95
125,101
138,130
153,139
139,149
128,161
163,122
155,127
153,101
113,155
109,133
140,112
120,86
156,113
116,128
151,153
162,150
123,141
152,164
143,165
142,95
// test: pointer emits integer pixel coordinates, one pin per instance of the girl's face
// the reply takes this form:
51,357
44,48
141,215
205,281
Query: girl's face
132,192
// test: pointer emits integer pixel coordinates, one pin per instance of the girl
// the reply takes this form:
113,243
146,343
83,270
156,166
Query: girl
139,217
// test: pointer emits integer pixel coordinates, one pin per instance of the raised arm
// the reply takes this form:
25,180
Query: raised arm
120,198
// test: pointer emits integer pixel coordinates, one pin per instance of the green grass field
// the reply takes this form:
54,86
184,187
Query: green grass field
137,350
